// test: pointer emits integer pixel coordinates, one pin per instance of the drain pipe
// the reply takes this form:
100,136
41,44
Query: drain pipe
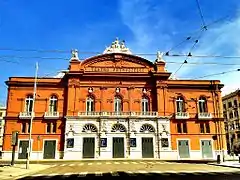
158,140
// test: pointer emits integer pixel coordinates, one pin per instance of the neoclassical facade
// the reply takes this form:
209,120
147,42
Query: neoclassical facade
115,105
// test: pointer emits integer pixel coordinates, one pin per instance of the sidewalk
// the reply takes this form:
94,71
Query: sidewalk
48,161
232,164
19,170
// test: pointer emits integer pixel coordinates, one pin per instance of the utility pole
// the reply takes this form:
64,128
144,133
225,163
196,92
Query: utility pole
32,116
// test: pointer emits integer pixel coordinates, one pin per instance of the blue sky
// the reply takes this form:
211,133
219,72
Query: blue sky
147,26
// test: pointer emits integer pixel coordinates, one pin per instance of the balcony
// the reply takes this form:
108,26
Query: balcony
182,115
51,115
204,115
26,115
118,114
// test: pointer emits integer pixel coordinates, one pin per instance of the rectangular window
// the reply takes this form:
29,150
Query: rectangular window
24,127
70,142
229,104
207,126
182,127
164,143
224,107
204,127
179,128
54,127
51,127
48,127
236,113
231,115
28,127
235,103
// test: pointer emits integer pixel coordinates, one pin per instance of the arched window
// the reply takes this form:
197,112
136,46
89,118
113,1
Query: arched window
202,103
90,104
117,104
29,104
53,104
180,104
118,128
89,128
147,128
145,104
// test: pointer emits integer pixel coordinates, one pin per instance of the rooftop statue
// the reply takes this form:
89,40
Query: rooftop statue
117,47
74,54
159,57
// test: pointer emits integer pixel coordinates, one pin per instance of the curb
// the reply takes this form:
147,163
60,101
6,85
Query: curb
222,165
100,160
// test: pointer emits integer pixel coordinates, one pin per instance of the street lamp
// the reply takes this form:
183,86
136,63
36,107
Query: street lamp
31,120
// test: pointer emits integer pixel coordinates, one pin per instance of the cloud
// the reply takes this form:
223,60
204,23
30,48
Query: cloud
155,28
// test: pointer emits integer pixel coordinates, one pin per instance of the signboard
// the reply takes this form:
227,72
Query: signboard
117,69
103,142
14,138
133,142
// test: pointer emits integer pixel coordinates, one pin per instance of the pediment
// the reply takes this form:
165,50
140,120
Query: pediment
117,63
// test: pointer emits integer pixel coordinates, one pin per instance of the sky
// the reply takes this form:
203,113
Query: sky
55,27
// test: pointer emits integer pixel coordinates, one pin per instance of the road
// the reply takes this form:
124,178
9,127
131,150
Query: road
135,169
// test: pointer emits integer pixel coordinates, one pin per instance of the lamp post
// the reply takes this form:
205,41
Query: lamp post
32,116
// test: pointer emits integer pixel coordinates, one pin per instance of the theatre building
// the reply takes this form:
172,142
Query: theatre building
115,105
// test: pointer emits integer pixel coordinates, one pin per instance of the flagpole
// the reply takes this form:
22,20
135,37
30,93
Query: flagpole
32,116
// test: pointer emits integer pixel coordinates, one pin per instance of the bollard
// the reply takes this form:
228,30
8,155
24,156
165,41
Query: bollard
218,159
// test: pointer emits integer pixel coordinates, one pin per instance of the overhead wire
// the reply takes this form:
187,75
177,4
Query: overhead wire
214,74
97,52
201,15
190,53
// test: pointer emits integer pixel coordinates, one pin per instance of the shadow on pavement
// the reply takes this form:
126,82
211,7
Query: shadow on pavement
149,176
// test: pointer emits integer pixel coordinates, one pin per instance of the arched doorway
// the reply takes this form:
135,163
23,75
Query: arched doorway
147,141
89,142
118,142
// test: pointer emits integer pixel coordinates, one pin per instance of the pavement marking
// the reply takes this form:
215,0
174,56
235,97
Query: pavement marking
160,162
142,162
83,173
125,162
134,162
81,164
151,163
108,163
99,163
116,162
63,165
114,173
90,164
170,172
71,164
130,173
37,175
67,174
158,172
54,174
142,172
98,173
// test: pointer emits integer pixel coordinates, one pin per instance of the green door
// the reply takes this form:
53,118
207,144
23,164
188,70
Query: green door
118,147
49,149
22,149
88,147
207,149
147,148
183,149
